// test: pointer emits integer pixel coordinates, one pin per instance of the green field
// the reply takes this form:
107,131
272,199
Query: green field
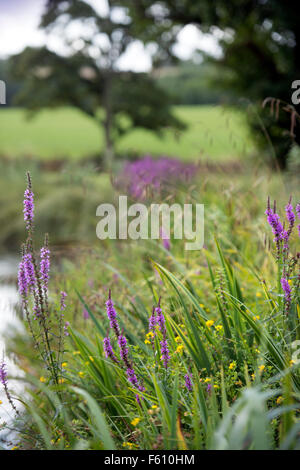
213,132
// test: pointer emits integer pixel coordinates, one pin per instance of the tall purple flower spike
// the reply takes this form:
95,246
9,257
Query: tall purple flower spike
112,315
3,374
28,205
298,214
45,266
164,343
286,289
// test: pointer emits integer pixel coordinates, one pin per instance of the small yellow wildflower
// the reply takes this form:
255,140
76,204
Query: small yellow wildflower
258,294
150,334
202,305
130,445
219,327
292,362
177,339
261,368
61,381
135,421
154,407
43,379
232,365
14,448
257,351
290,282
209,323
147,341
279,400
75,353
80,373
182,325
179,348
1,402
253,376
64,364
208,379
256,317
216,386
91,359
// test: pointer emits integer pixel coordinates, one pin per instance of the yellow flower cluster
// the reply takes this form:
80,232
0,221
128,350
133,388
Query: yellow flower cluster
179,348
135,421
130,445
232,365
209,323
149,335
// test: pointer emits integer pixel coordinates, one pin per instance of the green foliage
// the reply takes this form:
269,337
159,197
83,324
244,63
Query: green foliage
225,327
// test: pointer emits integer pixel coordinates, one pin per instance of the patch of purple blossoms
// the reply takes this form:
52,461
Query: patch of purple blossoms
153,174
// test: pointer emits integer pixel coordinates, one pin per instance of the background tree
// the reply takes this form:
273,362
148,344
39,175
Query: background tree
260,53
87,75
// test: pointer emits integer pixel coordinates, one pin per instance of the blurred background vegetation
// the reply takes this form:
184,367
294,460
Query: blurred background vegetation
75,118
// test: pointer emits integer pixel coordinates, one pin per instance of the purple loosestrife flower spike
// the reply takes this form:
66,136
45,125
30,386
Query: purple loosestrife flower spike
3,374
165,353
108,350
188,382
63,296
298,214
286,289
160,320
290,216
45,266
29,271
28,205
152,321
112,315
22,282
66,326
132,378
123,349
274,222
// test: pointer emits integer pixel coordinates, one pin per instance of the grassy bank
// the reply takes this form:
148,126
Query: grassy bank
213,133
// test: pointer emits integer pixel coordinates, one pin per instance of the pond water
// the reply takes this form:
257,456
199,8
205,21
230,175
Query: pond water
8,321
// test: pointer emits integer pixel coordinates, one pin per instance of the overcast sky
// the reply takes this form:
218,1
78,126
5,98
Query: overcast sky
19,20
